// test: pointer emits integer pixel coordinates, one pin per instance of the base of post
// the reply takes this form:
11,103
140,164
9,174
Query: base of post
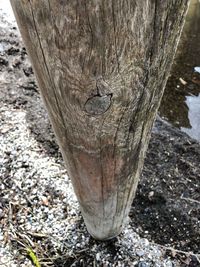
105,238
105,228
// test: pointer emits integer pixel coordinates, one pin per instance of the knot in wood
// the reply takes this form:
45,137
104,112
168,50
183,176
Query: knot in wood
97,105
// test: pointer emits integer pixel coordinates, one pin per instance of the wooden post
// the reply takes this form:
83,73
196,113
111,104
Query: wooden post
102,67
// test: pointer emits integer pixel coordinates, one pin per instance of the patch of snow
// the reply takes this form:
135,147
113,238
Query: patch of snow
193,103
197,69
6,11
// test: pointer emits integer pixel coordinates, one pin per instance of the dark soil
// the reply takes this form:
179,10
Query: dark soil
166,209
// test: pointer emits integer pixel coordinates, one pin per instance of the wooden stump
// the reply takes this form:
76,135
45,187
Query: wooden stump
102,66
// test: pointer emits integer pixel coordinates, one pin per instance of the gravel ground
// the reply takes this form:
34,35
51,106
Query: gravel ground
39,214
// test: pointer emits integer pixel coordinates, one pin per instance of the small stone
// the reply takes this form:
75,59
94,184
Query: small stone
197,69
45,201
168,263
142,264
98,256
1,213
146,242
151,194
182,81
140,253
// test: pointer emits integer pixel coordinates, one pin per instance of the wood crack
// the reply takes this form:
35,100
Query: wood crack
91,32
45,63
115,38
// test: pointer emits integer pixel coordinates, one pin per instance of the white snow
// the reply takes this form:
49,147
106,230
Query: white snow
197,69
193,103
6,11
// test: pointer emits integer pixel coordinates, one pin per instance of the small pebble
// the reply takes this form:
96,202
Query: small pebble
168,263
140,253
142,264
98,256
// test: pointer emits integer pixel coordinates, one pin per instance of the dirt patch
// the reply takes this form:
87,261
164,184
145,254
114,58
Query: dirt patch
167,206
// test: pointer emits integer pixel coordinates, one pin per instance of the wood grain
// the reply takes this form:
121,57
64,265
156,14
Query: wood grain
102,66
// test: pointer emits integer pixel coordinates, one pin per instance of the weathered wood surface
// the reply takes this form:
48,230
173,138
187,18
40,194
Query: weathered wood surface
102,66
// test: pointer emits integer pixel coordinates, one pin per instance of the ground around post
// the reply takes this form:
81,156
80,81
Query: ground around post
40,221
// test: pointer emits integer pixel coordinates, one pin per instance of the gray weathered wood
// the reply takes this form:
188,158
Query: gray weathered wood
102,66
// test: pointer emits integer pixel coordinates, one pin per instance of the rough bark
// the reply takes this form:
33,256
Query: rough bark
102,66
